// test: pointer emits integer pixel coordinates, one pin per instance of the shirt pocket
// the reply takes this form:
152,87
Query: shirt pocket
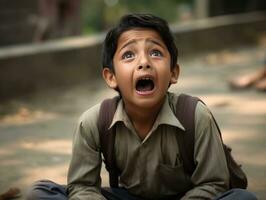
173,179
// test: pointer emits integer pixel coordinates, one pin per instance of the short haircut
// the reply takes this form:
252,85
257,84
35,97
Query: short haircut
132,21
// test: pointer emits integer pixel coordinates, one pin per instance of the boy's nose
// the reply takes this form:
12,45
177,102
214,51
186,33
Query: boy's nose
144,66
144,63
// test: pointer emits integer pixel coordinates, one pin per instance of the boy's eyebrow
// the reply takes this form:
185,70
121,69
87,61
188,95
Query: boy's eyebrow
127,44
154,41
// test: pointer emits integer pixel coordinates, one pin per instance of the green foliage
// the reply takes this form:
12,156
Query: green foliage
98,15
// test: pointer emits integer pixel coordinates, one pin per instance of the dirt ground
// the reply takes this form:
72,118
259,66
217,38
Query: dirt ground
36,131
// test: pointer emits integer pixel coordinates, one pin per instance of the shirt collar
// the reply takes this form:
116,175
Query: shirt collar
120,115
165,116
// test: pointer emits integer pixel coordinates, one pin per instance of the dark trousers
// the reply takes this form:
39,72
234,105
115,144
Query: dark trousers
48,190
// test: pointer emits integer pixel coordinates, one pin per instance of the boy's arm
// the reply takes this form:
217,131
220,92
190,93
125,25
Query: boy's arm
211,175
84,180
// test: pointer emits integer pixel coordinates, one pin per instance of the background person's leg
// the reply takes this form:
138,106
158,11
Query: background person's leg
237,194
45,189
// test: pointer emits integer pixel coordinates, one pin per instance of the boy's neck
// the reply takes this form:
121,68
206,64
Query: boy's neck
143,119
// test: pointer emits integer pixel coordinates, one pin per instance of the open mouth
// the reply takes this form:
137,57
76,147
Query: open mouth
145,85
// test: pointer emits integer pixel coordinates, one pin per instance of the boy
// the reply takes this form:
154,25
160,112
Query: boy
140,62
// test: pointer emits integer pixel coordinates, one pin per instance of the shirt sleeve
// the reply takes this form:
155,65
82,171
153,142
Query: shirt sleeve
84,181
211,175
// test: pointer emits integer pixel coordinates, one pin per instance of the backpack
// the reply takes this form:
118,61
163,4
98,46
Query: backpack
185,112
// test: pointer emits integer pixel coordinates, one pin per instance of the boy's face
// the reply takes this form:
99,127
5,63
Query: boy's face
142,68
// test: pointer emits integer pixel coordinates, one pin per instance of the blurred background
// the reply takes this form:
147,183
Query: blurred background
50,72
41,20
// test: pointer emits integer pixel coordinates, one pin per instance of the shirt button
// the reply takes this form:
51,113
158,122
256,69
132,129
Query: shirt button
144,145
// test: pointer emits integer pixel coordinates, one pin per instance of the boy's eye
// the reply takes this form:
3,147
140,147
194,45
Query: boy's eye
156,53
127,55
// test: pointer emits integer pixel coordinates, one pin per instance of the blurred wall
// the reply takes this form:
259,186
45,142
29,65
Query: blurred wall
225,7
210,8
16,25
38,20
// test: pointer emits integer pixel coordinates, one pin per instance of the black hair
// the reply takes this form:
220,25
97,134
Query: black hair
132,21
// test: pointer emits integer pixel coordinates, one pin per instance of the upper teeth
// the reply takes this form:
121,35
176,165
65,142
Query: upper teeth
146,78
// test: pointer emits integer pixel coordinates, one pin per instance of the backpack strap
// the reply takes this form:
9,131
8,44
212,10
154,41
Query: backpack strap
107,138
185,112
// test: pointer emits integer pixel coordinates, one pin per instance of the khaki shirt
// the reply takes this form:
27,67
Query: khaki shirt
150,168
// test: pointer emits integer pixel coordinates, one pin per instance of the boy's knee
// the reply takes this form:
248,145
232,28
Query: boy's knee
244,194
45,189
32,194
237,194
34,191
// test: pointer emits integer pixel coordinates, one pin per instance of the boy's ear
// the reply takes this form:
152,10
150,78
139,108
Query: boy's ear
174,74
109,77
